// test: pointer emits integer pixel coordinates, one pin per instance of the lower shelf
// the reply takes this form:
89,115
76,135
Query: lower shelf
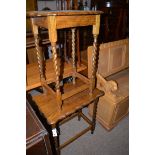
33,77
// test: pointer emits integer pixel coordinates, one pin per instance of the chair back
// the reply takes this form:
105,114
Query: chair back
113,57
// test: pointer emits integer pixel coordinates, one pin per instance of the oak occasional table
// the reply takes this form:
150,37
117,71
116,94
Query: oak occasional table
63,102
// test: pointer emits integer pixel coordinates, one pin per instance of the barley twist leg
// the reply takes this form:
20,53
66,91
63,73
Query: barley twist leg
39,58
57,72
73,54
94,56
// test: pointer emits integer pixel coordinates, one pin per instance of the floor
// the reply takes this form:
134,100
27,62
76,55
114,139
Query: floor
102,142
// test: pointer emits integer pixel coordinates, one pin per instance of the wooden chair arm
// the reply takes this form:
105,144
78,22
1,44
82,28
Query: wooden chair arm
107,86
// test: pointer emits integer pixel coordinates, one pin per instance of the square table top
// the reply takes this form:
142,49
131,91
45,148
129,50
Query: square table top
61,13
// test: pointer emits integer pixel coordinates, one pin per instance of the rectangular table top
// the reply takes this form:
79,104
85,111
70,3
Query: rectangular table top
61,13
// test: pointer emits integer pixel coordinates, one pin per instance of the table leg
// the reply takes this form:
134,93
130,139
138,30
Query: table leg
40,57
57,72
94,53
53,39
78,48
79,116
73,54
94,116
56,140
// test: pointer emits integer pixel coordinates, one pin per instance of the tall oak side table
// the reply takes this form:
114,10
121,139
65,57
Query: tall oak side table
62,103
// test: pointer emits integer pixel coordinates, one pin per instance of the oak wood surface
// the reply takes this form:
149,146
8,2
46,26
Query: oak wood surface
48,106
75,21
61,13
112,108
31,5
113,57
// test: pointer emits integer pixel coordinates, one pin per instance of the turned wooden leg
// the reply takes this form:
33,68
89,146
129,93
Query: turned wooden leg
94,116
78,48
96,28
53,39
56,139
65,46
73,54
57,72
39,52
79,116
94,55
39,57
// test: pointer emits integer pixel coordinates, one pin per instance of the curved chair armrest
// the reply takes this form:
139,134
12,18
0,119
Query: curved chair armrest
107,86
